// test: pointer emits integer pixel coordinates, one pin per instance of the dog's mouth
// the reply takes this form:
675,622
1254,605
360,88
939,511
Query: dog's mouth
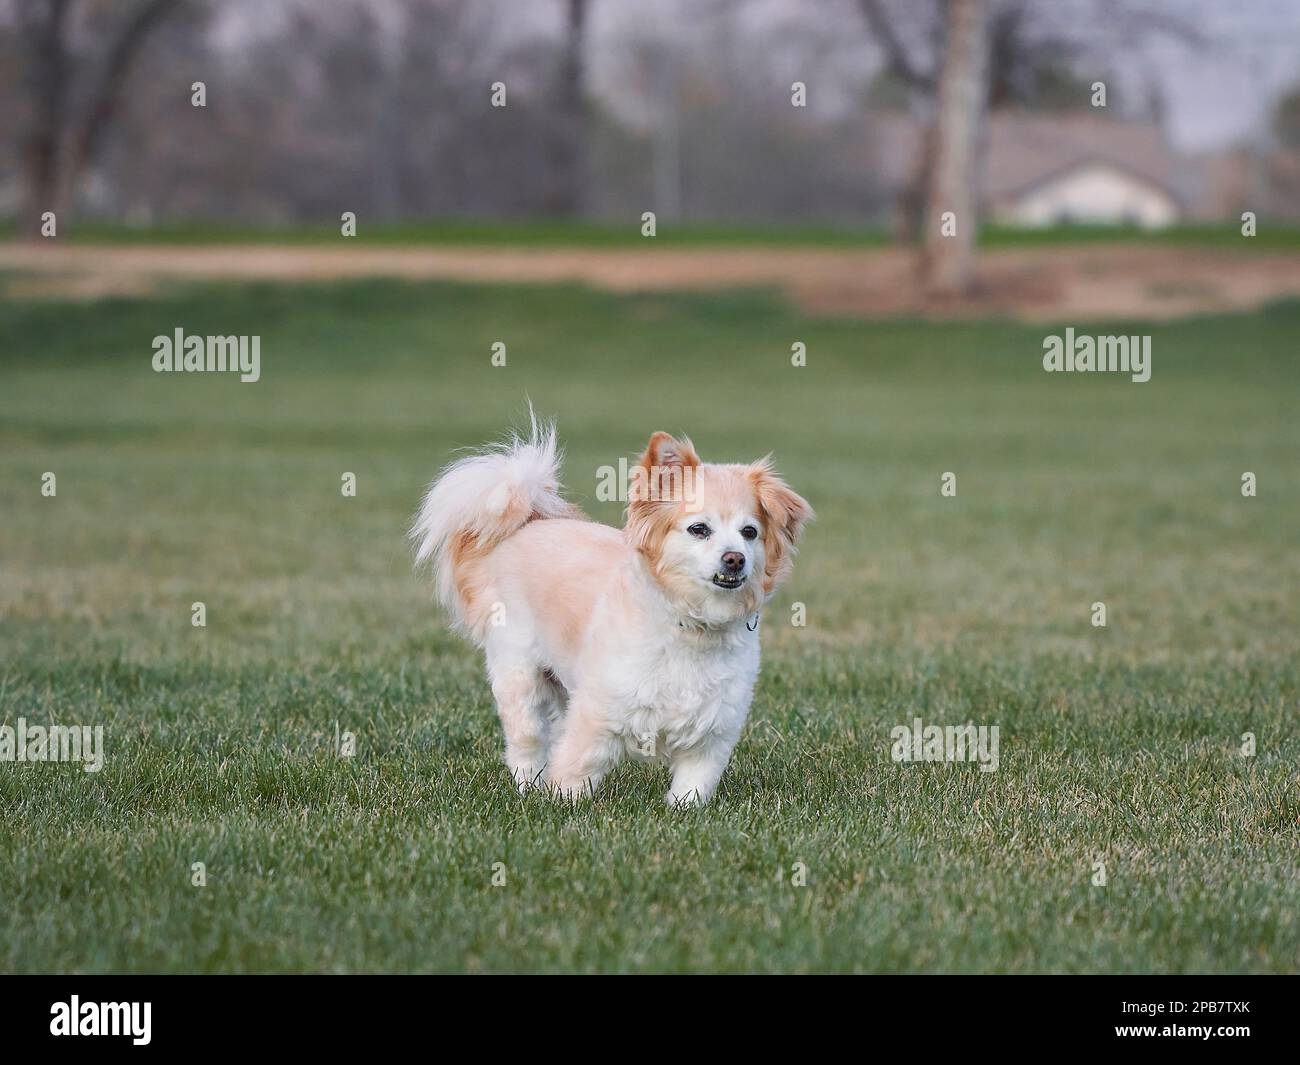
730,581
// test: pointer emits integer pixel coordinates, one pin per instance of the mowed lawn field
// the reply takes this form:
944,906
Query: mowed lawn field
1119,745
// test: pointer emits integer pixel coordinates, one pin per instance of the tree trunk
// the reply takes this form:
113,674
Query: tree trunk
912,199
948,255
572,170
45,81
54,160
106,99
40,182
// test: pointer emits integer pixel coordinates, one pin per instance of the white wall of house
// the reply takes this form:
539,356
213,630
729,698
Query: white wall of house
1093,193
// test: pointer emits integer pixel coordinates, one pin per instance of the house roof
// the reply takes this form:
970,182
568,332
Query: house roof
1026,150
1023,150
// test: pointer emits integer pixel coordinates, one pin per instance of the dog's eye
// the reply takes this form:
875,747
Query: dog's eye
749,532
699,529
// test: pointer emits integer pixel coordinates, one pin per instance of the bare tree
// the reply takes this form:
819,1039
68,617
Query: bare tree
571,139
45,82
916,69
1029,45
58,146
948,256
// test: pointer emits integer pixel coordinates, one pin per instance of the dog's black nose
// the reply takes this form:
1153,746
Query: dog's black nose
733,561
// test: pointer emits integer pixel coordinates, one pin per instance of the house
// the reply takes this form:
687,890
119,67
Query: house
1040,169
1087,192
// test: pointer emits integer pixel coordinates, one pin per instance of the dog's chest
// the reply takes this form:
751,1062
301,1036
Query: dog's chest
681,694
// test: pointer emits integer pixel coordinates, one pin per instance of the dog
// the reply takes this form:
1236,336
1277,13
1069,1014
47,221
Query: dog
604,642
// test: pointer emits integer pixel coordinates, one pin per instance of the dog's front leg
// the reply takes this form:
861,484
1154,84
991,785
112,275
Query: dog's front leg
697,770
588,748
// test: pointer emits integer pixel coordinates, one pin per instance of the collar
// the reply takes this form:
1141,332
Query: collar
751,624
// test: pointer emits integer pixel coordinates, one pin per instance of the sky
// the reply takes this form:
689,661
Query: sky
1216,94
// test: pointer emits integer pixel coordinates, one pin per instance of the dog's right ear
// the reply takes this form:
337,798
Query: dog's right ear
661,472
659,481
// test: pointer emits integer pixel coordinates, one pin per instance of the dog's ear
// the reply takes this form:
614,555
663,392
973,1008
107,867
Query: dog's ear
785,513
662,471
663,477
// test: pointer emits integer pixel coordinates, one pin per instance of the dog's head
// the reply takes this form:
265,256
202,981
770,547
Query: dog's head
717,538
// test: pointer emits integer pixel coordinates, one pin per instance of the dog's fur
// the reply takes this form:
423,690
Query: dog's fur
600,641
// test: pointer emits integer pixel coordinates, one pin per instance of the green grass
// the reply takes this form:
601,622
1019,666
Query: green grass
1118,744
1272,236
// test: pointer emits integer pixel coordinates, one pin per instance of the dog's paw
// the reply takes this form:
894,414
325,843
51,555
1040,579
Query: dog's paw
528,777
570,788
685,799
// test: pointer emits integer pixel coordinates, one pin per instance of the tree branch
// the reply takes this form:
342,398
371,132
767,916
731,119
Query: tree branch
896,57
105,100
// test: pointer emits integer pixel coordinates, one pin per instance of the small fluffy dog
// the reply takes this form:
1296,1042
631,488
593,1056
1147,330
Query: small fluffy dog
602,642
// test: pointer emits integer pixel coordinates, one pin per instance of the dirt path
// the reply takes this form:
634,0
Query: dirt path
1060,283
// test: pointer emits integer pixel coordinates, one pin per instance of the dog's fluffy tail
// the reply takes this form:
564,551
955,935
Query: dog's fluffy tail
480,500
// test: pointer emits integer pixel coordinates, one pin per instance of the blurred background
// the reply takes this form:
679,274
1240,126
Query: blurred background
684,107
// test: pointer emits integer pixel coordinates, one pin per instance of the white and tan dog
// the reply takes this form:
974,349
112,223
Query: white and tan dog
602,642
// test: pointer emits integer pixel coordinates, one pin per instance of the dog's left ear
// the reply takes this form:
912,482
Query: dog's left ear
785,513
662,470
